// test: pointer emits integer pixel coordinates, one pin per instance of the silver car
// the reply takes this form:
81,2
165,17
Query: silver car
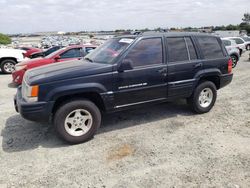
247,41
239,42
232,50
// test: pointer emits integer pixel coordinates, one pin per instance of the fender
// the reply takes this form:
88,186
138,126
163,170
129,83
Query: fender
57,92
207,72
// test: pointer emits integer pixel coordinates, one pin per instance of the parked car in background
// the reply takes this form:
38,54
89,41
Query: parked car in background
9,58
247,41
46,52
232,50
240,43
64,54
124,73
29,51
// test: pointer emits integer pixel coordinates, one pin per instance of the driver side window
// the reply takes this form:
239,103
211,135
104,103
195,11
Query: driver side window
146,52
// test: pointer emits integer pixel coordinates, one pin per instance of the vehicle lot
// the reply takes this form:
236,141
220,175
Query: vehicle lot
160,146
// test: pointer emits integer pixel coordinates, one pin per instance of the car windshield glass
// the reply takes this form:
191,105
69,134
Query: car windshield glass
54,53
107,52
246,39
51,50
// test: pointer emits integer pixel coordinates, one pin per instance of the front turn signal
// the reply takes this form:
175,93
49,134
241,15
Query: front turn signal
34,91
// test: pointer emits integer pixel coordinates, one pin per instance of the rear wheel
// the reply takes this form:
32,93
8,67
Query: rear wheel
204,97
77,121
8,66
248,47
234,60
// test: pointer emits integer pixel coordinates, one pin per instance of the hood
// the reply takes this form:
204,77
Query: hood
18,54
31,63
65,70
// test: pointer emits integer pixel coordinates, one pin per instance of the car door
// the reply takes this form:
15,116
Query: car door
183,64
146,82
71,54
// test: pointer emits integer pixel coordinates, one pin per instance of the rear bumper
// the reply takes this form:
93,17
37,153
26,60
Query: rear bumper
35,111
225,79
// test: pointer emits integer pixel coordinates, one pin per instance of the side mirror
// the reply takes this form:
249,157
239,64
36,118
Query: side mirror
57,57
125,65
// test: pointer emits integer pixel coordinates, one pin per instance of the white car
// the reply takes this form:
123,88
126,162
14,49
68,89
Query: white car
240,43
9,58
247,41
232,50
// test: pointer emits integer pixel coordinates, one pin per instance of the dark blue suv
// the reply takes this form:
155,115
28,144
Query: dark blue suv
125,72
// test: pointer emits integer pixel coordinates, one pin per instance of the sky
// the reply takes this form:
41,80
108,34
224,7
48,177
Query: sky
27,16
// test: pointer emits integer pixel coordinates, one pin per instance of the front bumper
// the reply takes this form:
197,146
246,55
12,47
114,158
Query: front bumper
225,79
35,111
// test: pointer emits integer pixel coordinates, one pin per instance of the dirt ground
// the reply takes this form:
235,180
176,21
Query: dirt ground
164,145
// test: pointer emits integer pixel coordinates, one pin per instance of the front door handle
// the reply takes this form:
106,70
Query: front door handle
198,65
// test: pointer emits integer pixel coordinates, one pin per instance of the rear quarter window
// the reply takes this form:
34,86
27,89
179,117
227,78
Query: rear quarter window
210,47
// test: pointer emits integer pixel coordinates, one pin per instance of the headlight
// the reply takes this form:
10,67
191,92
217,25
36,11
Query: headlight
30,93
20,67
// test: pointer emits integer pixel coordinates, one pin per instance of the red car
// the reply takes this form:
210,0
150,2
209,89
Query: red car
30,50
64,54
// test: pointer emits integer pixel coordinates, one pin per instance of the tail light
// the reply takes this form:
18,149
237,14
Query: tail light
230,65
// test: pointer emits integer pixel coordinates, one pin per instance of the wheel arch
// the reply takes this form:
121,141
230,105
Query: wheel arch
212,75
5,58
92,96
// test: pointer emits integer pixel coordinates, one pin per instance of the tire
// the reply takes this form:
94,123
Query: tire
8,66
240,52
235,60
248,47
77,121
196,99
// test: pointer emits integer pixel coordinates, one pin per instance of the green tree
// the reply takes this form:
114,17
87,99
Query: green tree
232,27
245,26
246,18
4,39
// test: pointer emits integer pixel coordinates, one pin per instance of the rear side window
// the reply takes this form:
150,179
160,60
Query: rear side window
191,49
177,49
210,47
181,49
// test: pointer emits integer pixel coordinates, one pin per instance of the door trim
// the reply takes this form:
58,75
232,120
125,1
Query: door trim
132,104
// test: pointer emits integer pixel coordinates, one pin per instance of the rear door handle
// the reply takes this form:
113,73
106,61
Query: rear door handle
163,71
198,65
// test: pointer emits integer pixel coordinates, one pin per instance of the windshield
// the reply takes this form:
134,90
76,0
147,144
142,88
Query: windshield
55,52
107,52
246,39
51,50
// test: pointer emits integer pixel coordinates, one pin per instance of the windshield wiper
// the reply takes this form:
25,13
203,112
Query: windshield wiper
88,59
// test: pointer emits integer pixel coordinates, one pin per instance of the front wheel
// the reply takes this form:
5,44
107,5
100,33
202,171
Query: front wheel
204,97
77,121
8,66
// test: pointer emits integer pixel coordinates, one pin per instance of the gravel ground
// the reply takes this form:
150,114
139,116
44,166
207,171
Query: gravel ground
164,145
